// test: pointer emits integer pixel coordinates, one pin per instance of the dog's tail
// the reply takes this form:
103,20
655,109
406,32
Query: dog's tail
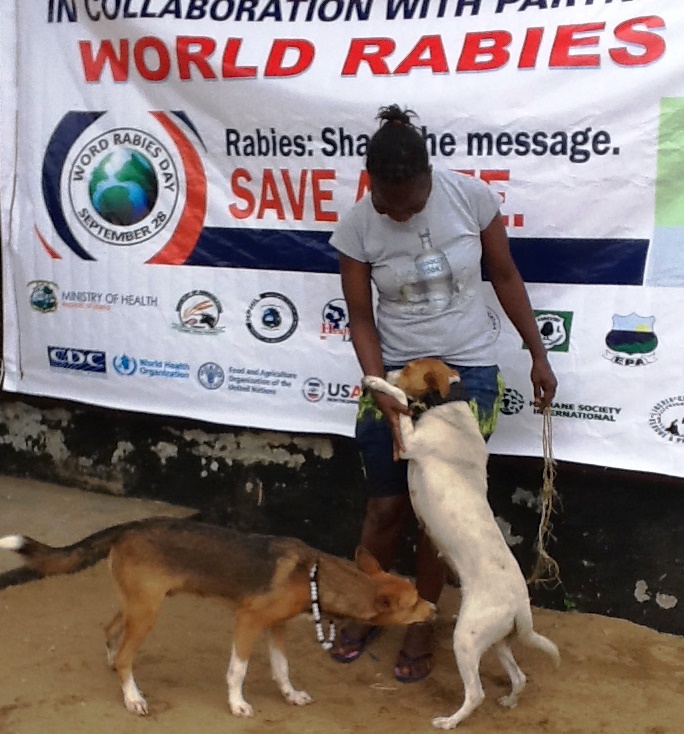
49,561
525,631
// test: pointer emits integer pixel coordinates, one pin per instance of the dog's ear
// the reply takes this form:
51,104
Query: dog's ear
438,380
365,561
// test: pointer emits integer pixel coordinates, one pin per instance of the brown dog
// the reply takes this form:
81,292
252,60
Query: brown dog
268,578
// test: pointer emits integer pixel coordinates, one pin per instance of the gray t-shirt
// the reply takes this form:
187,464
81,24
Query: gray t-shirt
425,306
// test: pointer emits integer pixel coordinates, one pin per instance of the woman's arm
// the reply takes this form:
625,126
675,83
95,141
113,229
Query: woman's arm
356,286
512,294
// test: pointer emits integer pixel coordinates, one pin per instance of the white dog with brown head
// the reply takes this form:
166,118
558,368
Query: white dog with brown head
447,477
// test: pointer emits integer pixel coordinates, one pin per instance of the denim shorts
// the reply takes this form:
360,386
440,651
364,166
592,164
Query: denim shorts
386,477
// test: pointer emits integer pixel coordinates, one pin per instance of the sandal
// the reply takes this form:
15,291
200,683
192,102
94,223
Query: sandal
358,645
411,667
409,661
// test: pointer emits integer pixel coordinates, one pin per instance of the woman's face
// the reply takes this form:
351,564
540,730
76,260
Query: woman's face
401,201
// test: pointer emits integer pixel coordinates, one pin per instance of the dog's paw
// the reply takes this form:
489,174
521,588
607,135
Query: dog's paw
137,706
298,698
510,701
133,699
373,383
444,722
241,708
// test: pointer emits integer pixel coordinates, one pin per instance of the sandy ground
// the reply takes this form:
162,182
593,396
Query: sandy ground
615,678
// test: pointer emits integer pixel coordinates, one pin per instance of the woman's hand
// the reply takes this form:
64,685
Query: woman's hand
544,382
391,408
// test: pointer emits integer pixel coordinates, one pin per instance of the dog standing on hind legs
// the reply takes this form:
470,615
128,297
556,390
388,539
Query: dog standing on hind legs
447,478
267,578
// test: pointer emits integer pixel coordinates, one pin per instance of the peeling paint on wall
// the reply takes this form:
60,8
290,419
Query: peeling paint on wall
263,447
34,430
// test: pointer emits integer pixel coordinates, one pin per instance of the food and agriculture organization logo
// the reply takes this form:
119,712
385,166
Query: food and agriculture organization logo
211,375
139,185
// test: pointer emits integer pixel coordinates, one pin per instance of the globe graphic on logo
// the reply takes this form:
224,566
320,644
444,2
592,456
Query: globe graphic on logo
123,187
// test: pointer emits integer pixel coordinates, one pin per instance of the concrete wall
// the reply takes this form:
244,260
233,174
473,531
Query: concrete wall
618,536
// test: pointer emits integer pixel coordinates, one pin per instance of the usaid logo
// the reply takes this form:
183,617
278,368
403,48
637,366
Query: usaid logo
84,360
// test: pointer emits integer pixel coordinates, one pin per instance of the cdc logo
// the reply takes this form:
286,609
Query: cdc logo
84,360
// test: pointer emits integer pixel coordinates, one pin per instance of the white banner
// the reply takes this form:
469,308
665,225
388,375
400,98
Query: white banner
171,171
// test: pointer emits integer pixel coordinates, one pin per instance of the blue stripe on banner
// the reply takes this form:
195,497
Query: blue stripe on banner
540,260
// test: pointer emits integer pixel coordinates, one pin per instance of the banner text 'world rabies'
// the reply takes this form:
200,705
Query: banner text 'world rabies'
632,43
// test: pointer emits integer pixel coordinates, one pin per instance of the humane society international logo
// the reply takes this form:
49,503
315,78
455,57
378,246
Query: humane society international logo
632,341
108,186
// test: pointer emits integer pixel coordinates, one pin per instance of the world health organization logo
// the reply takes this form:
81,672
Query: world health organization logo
108,186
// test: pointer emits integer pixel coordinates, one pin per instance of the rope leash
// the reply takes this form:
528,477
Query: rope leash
546,569
316,611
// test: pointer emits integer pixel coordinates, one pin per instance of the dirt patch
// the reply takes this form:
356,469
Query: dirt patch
615,678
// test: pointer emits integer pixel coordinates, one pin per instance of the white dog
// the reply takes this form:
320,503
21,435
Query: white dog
447,476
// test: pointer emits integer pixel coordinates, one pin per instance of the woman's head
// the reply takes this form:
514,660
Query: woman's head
398,165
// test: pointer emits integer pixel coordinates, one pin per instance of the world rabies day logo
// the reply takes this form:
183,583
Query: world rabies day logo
141,185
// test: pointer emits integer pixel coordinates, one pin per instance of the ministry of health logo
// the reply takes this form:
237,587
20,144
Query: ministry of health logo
108,186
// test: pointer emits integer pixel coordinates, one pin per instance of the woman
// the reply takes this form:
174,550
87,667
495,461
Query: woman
421,236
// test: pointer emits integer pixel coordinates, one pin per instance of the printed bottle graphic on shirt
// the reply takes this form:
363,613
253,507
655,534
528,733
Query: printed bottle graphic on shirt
435,276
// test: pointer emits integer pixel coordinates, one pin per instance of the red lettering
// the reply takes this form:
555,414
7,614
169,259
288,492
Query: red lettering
364,185
229,67
530,49
492,45
652,43
436,58
279,188
270,198
322,195
371,51
203,49
566,39
296,201
93,65
157,46
305,55
244,193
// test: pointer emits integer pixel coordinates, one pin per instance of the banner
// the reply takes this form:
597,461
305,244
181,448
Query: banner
171,171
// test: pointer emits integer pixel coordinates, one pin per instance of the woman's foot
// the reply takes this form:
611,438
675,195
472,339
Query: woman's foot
352,641
416,658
